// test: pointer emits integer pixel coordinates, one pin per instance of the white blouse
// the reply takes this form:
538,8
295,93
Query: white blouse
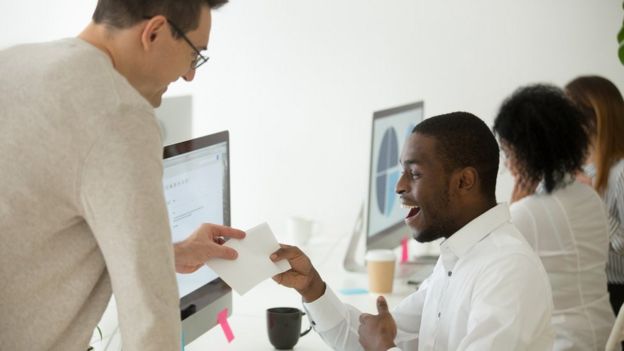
568,229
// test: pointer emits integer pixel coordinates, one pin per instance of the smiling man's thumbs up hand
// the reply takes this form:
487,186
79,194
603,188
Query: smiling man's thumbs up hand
377,332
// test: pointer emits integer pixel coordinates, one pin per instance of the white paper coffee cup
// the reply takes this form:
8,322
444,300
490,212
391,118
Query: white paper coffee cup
380,267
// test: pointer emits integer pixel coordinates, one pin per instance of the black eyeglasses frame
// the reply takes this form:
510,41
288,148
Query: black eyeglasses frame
199,59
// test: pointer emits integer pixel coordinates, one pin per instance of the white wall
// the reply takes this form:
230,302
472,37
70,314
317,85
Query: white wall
296,82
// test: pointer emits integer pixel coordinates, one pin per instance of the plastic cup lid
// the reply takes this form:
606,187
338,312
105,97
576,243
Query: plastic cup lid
380,255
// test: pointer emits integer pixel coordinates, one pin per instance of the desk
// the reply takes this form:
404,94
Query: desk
248,320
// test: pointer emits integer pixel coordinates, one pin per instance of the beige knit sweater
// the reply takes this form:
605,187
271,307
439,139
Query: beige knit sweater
81,204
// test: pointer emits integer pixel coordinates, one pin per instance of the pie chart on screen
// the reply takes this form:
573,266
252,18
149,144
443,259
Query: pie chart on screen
387,173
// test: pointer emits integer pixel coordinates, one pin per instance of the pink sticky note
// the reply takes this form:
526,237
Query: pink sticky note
404,254
225,326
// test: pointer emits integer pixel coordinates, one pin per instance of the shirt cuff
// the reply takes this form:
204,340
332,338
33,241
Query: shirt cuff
326,312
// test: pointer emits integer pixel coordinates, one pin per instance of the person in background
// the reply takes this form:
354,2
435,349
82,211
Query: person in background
602,107
82,210
488,290
545,144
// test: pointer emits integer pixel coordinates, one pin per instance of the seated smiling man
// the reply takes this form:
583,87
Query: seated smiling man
488,290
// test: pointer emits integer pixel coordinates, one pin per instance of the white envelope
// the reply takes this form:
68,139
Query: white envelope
253,264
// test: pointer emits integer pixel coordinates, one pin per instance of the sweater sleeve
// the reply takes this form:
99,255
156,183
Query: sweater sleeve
122,196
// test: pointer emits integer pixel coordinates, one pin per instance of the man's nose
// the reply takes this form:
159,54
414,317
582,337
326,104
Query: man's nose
188,76
400,185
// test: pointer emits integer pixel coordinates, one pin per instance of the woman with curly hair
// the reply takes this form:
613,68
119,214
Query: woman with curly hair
541,133
602,106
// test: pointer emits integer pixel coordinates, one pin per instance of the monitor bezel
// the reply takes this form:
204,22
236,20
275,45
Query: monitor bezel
215,289
394,233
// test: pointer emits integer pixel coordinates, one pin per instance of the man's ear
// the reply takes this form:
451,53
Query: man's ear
155,28
467,179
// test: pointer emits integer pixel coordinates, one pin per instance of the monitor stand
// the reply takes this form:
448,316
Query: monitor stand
350,263
417,268
197,324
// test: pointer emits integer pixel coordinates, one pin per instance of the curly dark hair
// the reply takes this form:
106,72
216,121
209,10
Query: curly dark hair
544,131
464,140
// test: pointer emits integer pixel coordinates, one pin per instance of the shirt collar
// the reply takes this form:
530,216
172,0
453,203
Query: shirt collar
456,247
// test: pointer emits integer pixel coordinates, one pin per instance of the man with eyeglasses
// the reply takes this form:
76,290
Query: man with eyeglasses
82,211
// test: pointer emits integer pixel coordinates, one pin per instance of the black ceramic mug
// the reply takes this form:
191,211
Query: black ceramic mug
284,327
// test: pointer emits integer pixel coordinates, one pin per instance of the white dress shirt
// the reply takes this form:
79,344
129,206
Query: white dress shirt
488,291
568,229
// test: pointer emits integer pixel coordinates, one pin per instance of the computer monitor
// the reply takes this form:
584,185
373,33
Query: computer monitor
196,182
385,226
175,117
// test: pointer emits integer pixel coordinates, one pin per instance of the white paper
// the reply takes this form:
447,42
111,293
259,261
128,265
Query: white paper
253,264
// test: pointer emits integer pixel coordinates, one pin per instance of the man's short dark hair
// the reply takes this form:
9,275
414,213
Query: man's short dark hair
126,13
464,140
545,133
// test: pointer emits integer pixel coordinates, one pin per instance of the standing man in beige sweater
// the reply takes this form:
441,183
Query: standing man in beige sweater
82,211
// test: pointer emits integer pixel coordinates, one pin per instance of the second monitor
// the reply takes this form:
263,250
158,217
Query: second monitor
385,225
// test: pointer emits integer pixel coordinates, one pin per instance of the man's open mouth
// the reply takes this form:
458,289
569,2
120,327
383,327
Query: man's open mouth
413,211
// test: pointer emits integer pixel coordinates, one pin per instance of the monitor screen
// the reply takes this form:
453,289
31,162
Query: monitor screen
391,128
196,181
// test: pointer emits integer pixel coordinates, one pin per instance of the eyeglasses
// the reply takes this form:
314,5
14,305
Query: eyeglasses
199,58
